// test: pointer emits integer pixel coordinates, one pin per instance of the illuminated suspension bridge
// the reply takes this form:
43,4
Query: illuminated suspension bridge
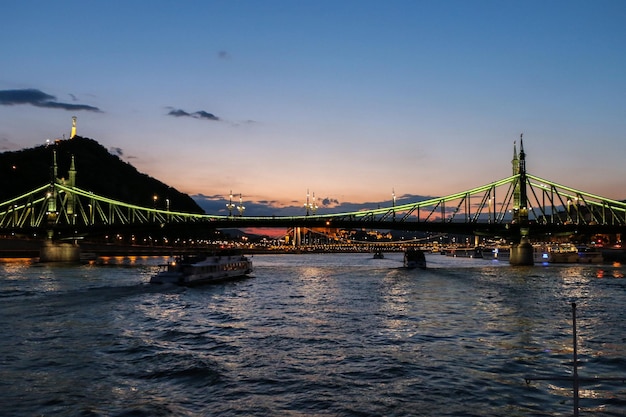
522,205
551,206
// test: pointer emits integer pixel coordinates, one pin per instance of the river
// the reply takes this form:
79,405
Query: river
311,335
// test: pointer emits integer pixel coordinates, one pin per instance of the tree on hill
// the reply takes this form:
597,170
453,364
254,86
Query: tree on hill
97,170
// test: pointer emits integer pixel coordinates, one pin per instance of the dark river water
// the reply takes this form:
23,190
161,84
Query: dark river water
311,335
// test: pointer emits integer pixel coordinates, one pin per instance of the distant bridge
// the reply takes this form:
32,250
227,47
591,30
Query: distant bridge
505,207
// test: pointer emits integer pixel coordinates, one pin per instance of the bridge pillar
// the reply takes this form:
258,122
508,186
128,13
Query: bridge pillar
59,252
522,253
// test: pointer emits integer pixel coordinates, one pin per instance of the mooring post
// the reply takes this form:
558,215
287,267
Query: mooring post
576,380
575,376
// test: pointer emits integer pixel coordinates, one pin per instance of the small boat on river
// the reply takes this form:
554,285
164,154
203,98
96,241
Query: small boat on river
201,269
414,258
379,255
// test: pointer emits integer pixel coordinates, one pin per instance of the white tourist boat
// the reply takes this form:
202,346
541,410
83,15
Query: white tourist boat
569,253
414,258
201,269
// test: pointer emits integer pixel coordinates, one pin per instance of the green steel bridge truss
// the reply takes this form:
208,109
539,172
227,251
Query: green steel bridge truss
489,208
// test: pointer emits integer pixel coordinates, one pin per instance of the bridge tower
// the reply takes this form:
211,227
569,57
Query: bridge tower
73,132
54,251
51,212
71,182
522,252
516,191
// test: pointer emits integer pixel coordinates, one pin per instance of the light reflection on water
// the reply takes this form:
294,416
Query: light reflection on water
310,335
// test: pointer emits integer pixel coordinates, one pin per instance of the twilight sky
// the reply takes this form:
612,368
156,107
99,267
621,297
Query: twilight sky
349,99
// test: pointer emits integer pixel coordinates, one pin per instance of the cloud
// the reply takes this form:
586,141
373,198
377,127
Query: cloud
224,55
244,123
116,151
25,96
216,204
38,98
329,202
119,152
204,115
200,114
178,113
7,145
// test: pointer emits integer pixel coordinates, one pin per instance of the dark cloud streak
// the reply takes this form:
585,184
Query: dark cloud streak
216,204
67,106
178,113
38,98
116,151
205,115
200,114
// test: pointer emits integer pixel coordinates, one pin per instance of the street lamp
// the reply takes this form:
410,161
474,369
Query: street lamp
155,198
230,204
310,207
306,204
241,207
570,217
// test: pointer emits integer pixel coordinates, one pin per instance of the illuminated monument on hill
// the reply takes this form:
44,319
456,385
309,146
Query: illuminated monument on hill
73,133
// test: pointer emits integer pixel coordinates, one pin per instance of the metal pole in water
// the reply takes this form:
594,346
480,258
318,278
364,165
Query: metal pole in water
576,380
574,343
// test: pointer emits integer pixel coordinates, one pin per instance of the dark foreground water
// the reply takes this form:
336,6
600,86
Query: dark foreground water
310,335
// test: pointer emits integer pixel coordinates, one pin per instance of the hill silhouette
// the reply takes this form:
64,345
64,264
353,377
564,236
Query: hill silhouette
97,170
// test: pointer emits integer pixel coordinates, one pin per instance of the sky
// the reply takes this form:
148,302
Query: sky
350,100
